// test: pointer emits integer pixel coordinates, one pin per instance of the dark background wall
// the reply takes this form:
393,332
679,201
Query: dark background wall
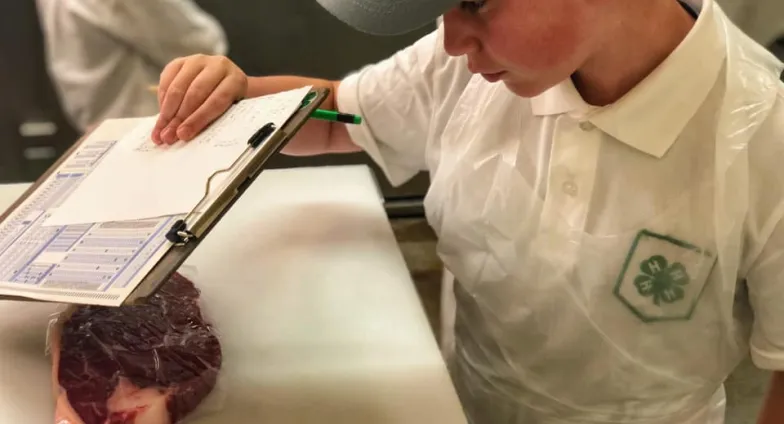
297,37
27,98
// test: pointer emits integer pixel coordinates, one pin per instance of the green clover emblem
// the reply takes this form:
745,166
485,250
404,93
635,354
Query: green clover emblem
661,281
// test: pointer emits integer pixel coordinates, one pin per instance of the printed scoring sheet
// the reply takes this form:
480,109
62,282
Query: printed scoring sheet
84,263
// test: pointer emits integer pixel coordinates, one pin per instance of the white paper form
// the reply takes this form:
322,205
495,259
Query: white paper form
86,263
139,180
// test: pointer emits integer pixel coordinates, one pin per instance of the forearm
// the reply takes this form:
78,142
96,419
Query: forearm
316,136
772,411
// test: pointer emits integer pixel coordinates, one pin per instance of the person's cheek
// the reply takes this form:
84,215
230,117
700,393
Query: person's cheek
524,54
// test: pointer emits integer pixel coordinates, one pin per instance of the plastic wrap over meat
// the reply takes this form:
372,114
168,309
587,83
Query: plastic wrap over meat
152,363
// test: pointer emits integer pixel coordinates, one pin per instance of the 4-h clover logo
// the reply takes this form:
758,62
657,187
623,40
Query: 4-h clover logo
661,281
663,278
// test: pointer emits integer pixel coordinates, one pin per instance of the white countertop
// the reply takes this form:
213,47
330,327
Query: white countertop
318,316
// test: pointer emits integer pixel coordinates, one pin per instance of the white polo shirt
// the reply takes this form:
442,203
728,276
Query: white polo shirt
103,55
609,259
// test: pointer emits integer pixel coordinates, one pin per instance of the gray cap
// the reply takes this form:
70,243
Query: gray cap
387,17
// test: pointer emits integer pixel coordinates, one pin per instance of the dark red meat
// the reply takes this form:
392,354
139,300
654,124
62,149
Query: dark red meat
118,364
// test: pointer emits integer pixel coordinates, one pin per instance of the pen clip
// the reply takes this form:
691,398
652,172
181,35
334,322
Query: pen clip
309,98
262,134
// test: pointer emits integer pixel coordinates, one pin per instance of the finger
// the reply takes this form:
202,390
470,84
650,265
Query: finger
216,104
156,131
169,133
165,80
201,88
175,92
167,76
179,86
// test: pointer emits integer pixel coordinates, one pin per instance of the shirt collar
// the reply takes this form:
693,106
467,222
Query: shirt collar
651,116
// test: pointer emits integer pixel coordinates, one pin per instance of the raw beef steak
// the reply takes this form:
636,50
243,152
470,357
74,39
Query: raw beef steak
143,364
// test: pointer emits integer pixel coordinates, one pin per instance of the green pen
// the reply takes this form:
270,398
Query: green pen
331,115
334,116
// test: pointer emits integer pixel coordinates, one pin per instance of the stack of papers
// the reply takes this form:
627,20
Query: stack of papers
96,226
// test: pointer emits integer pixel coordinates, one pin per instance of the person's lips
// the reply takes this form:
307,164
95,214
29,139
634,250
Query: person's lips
493,76
489,73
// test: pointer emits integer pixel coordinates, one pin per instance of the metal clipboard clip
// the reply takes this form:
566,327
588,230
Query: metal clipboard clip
266,142
181,233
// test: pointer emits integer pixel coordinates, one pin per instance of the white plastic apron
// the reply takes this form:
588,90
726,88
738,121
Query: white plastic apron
533,342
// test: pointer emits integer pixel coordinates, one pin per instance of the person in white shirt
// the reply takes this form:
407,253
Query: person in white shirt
607,190
104,55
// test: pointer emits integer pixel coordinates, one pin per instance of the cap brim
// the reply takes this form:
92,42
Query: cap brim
387,17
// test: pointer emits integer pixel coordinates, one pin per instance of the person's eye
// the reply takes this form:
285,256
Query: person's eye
472,6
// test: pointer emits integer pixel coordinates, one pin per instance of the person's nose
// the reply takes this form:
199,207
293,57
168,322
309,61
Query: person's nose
459,37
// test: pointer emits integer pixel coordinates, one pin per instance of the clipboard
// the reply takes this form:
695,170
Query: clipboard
187,233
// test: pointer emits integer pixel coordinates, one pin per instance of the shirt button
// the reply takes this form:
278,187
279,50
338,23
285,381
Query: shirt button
587,126
570,188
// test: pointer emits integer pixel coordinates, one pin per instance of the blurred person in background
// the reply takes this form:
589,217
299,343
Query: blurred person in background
104,55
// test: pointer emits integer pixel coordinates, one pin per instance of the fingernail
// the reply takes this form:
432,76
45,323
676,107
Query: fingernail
168,135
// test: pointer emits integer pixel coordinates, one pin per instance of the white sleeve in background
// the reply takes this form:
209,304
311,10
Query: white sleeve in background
402,100
103,55
161,30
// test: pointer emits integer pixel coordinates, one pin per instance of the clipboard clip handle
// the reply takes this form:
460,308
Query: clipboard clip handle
178,233
262,134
